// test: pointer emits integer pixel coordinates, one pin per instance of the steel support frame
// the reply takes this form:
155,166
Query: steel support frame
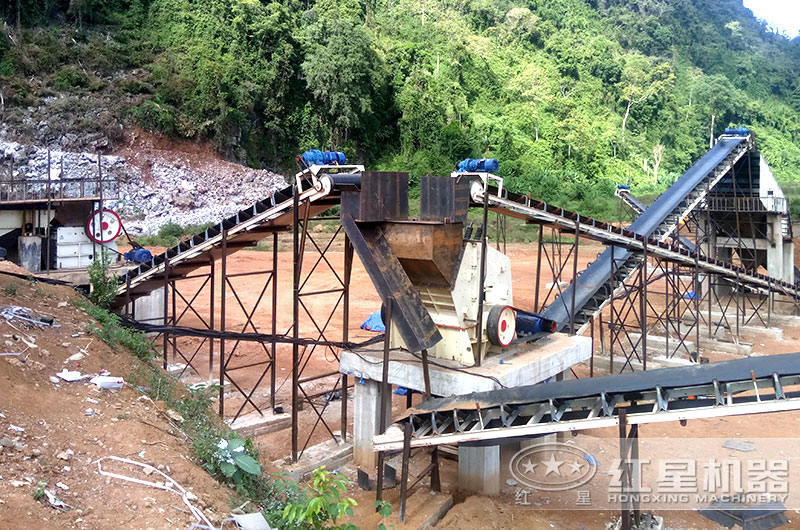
179,307
310,245
559,254
629,476
267,296
686,291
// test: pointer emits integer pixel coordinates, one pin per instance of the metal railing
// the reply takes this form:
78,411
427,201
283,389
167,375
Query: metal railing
69,188
17,188
747,204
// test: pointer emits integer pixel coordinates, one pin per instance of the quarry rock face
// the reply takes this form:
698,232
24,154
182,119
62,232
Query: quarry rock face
150,190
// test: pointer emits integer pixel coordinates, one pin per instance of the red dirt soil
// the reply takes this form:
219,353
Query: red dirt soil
89,422
491,513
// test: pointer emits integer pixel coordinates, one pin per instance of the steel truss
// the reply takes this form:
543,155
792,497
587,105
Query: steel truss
179,306
740,387
693,298
318,307
266,364
667,289
200,267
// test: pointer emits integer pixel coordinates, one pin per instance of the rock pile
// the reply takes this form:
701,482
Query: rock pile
154,187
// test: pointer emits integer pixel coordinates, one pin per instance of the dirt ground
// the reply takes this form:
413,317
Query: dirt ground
55,432
501,512
58,417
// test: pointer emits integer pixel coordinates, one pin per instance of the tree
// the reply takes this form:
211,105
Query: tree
641,79
796,99
658,153
343,72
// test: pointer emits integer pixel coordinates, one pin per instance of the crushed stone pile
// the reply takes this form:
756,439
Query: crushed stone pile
154,186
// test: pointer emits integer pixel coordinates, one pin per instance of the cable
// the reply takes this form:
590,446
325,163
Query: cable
31,277
457,369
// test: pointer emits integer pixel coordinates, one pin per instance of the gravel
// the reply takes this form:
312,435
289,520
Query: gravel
155,188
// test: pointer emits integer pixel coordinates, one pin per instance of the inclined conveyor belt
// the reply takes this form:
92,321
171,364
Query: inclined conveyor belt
659,220
639,207
243,229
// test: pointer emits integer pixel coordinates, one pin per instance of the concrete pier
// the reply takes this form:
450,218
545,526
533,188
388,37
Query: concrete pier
523,364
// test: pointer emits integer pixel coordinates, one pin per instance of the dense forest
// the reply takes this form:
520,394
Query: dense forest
572,96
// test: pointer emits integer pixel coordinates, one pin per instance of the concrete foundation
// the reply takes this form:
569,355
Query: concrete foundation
331,453
149,309
30,253
479,469
253,424
200,385
366,407
524,364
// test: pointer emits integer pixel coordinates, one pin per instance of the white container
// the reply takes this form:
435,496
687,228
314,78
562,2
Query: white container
106,381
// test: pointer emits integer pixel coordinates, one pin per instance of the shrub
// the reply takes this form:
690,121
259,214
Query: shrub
170,234
104,285
156,117
69,77
231,459
324,504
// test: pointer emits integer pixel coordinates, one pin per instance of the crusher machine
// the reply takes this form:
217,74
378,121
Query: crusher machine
430,269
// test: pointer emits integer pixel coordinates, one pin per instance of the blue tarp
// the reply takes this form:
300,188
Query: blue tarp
374,323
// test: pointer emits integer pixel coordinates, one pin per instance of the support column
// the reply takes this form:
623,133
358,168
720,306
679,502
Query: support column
788,261
479,469
708,246
366,421
775,253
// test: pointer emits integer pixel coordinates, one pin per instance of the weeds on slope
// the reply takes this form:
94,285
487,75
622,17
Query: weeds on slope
229,459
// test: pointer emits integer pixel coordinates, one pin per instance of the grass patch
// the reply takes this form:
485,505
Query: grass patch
112,333
38,492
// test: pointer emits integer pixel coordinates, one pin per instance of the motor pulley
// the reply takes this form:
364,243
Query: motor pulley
103,226
501,325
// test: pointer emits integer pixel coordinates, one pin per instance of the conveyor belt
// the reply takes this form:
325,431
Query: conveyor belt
655,225
639,207
667,394
317,190
627,243
632,202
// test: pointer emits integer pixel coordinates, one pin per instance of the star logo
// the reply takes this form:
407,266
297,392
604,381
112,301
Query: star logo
552,466
529,466
575,467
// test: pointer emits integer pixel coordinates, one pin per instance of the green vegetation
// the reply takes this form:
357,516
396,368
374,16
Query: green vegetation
232,460
38,492
103,283
228,458
10,289
170,234
573,96
113,334
324,505
384,509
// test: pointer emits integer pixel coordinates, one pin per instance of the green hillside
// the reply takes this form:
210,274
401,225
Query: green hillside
572,96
